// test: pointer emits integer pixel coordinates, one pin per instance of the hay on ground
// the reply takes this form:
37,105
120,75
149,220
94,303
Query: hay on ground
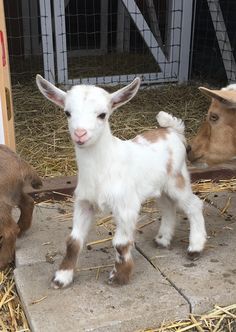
12,317
220,319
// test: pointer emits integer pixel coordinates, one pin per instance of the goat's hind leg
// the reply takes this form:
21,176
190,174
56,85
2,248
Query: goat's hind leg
26,206
193,208
168,221
82,217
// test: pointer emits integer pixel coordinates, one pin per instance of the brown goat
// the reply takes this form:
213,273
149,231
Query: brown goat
15,173
215,141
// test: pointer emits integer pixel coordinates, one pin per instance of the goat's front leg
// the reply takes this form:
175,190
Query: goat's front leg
123,242
82,217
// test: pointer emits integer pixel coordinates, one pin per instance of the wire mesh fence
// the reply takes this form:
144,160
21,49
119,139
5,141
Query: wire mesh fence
213,52
24,39
108,41
111,41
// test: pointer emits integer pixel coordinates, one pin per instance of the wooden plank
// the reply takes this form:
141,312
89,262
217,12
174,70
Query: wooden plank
186,33
2,136
148,36
113,80
30,27
104,26
154,22
126,31
120,31
60,38
47,40
26,27
215,173
174,28
123,29
7,118
34,25
60,188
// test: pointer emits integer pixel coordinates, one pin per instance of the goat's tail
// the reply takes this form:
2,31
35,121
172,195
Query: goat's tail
31,177
166,120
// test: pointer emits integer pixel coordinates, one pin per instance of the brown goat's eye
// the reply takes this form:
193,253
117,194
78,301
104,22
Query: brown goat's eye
67,113
213,117
102,116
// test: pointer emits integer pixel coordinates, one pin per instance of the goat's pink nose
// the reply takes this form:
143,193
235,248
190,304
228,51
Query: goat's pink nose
80,134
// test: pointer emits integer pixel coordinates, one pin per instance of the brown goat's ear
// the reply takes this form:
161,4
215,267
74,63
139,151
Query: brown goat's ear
124,95
228,98
57,96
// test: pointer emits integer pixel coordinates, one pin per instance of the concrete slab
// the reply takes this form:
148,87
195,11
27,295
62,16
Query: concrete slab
208,281
90,304
46,238
225,202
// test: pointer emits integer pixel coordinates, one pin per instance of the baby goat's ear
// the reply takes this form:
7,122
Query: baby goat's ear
57,96
124,95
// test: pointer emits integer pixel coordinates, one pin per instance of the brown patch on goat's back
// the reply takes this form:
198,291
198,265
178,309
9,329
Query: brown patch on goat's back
170,163
152,136
72,251
180,181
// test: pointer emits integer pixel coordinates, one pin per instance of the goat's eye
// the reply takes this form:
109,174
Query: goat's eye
213,117
102,116
67,113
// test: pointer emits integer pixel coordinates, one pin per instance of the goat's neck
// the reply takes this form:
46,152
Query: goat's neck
99,153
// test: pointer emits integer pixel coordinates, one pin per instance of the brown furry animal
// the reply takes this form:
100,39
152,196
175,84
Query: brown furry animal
215,141
15,173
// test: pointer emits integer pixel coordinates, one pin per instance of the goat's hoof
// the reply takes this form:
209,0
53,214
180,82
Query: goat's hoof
112,276
118,278
159,243
62,279
194,255
56,284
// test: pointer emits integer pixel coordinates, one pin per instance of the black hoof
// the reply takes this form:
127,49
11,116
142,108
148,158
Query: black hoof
56,284
194,255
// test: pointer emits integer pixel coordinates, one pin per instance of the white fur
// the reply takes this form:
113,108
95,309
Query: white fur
231,87
119,175
168,121
64,277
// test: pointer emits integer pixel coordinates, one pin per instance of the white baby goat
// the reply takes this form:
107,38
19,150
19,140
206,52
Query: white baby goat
120,175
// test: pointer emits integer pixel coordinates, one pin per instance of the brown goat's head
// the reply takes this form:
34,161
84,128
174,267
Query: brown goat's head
215,141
